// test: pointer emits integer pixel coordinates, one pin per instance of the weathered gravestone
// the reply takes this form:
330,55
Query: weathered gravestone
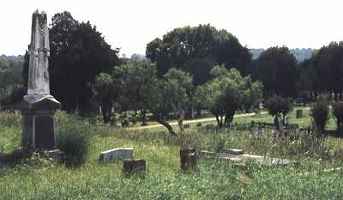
134,167
116,154
38,106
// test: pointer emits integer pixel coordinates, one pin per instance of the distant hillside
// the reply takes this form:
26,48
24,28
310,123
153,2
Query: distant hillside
300,54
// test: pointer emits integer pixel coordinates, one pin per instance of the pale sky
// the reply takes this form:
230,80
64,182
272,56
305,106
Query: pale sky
131,24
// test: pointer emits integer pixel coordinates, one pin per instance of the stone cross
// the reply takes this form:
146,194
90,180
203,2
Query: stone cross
38,107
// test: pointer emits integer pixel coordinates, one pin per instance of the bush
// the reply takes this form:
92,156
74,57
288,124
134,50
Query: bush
10,119
277,105
75,148
73,139
338,112
320,115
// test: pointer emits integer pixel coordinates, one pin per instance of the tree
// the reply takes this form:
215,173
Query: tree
196,50
328,66
78,52
320,115
278,106
105,92
11,81
276,68
134,80
338,112
169,95
224,94
307,83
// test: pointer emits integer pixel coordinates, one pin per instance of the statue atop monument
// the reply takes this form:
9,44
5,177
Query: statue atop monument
39,51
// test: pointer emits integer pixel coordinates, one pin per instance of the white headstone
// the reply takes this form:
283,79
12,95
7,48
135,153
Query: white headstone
116,154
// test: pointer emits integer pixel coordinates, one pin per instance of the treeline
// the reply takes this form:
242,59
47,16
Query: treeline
11,68
300,54
187,70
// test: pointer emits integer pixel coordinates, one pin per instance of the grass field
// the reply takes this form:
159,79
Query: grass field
38,178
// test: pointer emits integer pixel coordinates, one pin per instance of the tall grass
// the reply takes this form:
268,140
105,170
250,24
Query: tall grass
214,180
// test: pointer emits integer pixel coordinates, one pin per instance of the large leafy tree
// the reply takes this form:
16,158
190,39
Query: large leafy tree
278,106
170,94
196,50
307,81
276,68
78,52
328,66
134,80
226,92
106,93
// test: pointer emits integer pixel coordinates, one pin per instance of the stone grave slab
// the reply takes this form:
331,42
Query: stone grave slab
243,158
116,154
234,151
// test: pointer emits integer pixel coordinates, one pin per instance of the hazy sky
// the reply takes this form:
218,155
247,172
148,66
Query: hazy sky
131,24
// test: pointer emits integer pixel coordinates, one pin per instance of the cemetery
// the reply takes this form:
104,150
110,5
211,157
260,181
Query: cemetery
144,135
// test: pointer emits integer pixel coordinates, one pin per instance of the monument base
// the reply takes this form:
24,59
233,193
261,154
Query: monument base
38,122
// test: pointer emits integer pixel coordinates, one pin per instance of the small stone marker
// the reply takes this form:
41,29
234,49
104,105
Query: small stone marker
188,159
299,113
234,151
134,167
116,154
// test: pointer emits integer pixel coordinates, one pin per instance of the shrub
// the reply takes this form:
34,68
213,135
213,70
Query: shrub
73,139
10,119
277,105
338,112
320,115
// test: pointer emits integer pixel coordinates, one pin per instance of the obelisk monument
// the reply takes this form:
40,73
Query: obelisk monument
38,105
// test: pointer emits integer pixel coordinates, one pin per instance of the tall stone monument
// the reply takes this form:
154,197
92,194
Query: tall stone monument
39,106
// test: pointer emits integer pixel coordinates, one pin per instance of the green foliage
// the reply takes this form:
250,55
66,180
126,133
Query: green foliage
73,139
276,68
226,93
328,66
277,105
105,93
172,94
134,79
10,78
320,114
196,50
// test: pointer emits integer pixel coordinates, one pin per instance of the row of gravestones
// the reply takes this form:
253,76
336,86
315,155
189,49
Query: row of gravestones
188,160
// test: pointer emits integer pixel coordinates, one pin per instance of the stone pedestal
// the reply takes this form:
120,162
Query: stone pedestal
38,122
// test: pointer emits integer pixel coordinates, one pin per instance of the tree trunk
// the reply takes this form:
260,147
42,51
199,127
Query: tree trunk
198,112
219,119
181,116
106,109
167,125
143,117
